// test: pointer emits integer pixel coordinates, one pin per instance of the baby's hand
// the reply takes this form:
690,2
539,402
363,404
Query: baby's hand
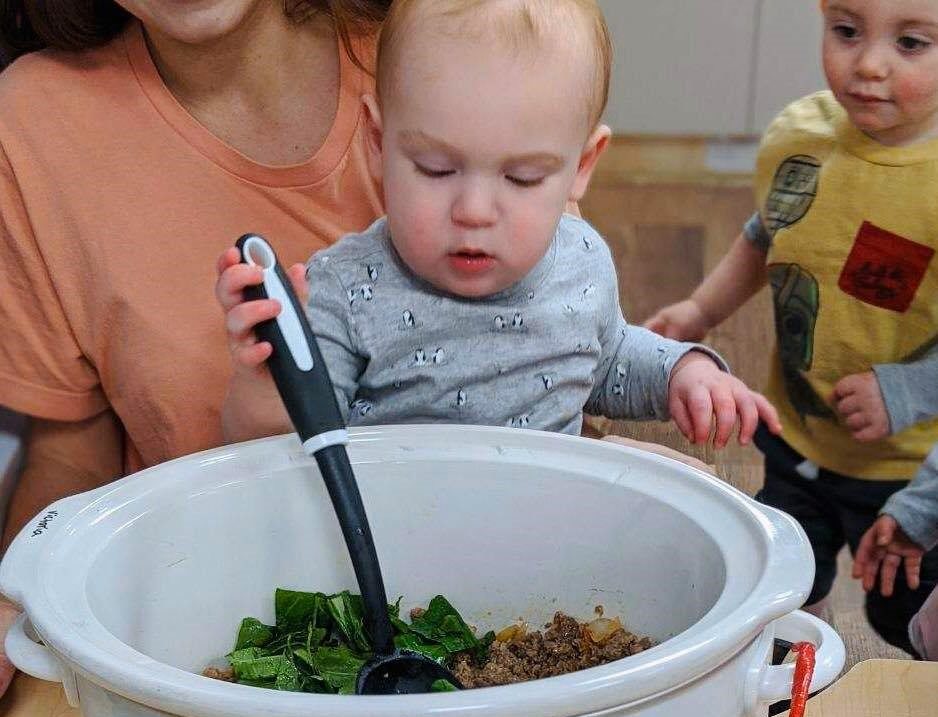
882,549
684,321
242,316
700,392
858,401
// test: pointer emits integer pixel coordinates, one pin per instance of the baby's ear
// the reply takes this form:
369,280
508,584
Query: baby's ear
592,150
374,135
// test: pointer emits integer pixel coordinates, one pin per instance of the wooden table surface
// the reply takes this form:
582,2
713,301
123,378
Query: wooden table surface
875,688
881,688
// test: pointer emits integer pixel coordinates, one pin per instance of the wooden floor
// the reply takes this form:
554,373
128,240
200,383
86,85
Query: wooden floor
665,234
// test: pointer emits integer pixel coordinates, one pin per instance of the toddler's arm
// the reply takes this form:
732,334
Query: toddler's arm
701,395
889,398
906,528
252,407
909,390
915,507
739,275
653,377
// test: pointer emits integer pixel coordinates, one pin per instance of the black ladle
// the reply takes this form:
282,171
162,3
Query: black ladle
304,385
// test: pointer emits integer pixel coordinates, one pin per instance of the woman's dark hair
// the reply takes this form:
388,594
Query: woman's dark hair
27,25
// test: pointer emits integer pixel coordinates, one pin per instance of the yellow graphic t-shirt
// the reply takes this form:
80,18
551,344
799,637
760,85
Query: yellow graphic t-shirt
854,227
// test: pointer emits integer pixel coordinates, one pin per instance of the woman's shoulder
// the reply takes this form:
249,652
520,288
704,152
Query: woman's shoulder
47,81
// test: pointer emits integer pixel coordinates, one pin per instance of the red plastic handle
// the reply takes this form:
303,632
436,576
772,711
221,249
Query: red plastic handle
804,671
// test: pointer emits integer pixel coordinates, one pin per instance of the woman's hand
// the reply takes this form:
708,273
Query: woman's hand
661,451
683,321
859,402
242,316
699,393
882,549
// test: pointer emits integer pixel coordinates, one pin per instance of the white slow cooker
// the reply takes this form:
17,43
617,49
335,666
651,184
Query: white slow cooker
135,587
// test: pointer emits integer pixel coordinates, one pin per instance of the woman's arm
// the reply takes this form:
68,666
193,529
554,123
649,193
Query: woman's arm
62,459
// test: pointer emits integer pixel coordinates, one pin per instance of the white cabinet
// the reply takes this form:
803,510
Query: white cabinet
709,67
789,56
681,66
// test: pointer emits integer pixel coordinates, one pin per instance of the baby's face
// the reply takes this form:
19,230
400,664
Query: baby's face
480,152
881,61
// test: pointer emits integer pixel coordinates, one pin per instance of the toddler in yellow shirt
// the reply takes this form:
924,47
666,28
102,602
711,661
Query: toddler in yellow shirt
845,235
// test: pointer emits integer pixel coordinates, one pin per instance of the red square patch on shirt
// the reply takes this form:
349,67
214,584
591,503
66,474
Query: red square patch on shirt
884,269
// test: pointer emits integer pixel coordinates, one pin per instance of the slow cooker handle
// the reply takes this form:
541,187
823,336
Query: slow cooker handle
776,681
18,581
29,656
306,389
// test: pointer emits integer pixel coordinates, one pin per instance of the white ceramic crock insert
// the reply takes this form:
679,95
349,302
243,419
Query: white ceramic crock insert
136,586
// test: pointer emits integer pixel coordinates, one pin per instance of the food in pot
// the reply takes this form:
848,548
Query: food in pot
566,645
318,644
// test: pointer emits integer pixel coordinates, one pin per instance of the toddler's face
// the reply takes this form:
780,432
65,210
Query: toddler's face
481,148
881,61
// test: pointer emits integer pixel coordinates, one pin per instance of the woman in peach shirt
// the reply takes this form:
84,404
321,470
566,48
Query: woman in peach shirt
151,137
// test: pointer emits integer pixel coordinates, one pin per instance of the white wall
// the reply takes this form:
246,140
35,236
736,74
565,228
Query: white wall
709,67
789,57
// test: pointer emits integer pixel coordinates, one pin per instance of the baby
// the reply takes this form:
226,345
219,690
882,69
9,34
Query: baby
477,299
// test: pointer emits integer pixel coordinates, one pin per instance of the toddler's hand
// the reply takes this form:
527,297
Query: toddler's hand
858,401
882,550
700,392
242,316
684,321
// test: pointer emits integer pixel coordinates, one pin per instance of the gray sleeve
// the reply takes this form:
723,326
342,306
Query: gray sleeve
915,507
334,326
909,390
636,375
754,230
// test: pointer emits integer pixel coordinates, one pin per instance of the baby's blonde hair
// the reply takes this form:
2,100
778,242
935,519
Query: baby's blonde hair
518,22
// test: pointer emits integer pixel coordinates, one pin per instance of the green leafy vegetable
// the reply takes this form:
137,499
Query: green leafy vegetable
348,611
319,642
339,667
415,644
253,633
295,610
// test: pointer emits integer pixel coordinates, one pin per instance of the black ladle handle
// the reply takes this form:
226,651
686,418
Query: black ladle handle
302,379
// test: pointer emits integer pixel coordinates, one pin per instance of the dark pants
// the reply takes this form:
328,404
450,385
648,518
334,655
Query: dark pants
835,509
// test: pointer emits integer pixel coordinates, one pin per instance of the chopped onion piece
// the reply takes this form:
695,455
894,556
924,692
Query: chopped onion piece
602,628
512,632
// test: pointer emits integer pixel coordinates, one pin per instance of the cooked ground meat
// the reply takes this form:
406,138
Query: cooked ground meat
565,646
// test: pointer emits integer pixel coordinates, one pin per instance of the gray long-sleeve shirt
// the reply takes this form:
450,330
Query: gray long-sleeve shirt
534,355
910,392
915,507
